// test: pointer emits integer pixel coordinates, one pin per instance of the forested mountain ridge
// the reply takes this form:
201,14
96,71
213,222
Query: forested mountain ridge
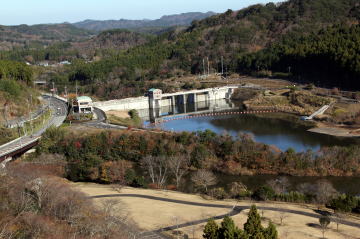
246,39
183,19
15,90
43,34
253,28
231,35
117,39
104,44
330,57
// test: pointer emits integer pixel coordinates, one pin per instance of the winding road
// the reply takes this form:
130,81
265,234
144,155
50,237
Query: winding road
100,121
59,113
234,210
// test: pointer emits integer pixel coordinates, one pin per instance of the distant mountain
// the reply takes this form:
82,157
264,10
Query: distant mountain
44,34
118,39
183,19
265,40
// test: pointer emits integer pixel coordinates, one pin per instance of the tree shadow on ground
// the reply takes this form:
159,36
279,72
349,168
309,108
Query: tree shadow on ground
322,212
313,225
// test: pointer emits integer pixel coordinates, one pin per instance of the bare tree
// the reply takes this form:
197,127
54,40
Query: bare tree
336,218
306,188
178,166
324,191
193,229
157,167
176,221
324,223
280,185
284,183
5,112
114,215
204,178
282,216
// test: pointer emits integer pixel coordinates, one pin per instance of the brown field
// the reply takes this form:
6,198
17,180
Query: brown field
151,214
118,113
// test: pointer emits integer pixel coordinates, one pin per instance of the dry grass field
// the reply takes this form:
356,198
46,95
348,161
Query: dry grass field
118,113
151,214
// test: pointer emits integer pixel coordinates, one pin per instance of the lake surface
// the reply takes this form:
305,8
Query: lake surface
281,130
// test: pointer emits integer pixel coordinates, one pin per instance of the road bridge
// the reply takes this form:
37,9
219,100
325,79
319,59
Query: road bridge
22,144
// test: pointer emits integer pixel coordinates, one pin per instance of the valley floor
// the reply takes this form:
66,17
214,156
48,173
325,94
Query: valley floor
153,210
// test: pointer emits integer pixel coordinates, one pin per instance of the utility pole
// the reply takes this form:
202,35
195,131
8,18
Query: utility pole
53,89
76,89
204,66
66,95
222,65
208,65
31,126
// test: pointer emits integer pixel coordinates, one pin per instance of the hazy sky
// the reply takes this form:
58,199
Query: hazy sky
14,12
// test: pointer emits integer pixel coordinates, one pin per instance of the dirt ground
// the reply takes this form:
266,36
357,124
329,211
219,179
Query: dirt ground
335,130
151,215
216,80
118,113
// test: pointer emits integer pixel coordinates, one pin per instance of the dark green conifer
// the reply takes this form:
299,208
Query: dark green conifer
211,230
253,227
271,232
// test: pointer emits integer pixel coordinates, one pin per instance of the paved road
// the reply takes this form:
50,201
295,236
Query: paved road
100,122
59,112
234,210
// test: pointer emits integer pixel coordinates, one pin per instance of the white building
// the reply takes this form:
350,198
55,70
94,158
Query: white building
83,104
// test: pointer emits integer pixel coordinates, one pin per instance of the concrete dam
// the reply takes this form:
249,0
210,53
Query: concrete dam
157,104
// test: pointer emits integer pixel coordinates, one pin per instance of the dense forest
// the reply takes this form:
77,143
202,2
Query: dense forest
91,156
161,160
16,94
297,39
13,77
42,34
330,57
271,40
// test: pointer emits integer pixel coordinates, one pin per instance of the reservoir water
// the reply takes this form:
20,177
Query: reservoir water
278,129
281,130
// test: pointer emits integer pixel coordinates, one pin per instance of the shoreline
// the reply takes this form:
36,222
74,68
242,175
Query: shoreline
335,130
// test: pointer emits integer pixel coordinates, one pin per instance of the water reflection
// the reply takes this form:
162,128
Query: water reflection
281,130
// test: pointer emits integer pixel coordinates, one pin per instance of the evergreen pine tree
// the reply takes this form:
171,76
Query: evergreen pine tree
253,227
228,230
271,232
211,230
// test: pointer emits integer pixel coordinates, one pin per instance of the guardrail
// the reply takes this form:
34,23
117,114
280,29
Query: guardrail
23,146
57,97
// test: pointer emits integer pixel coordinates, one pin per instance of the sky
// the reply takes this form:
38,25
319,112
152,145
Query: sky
15,12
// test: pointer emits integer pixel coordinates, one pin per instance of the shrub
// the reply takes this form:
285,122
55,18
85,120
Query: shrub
11,87
344,203
218,193
264,193
239,190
